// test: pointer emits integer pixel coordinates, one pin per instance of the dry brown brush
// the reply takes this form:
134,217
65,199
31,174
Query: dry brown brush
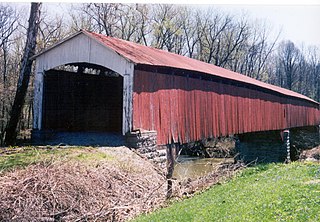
74,191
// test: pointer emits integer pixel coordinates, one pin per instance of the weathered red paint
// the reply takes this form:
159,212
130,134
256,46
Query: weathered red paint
183,109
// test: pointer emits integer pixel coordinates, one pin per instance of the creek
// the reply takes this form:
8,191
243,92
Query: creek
193,167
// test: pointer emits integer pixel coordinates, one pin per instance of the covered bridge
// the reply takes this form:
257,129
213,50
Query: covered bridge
112,85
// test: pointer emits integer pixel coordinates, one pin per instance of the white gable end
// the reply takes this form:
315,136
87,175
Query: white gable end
82,48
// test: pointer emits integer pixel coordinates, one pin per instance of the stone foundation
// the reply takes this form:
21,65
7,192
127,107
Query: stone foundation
267,146
270,146
145,142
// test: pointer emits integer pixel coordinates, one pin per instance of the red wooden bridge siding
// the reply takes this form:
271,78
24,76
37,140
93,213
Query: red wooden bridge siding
183,109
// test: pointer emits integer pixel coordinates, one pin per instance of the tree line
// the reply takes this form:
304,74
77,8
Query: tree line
230,41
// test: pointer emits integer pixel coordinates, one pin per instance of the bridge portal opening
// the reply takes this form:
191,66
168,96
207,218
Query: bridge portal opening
82,98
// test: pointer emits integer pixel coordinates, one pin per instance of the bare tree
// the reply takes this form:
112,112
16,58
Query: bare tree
212,26
189,27
51,30
142,15
230,41
79,19
8,24
289,56
166,25
126,21
25,71
251,58
313,60
303,72
103,16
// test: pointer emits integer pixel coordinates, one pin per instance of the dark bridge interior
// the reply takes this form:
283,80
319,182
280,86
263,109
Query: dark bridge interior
78,102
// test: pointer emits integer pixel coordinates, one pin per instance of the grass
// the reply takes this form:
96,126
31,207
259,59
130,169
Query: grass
32,155
274,192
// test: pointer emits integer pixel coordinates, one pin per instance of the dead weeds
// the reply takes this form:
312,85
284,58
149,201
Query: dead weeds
117,187
75,191
310,154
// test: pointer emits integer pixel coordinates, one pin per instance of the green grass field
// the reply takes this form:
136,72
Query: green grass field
274,192
25,156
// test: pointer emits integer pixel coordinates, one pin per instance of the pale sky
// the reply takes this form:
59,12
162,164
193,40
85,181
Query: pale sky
298,23
298,20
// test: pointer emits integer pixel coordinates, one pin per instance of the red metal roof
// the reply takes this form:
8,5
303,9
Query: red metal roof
140,54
